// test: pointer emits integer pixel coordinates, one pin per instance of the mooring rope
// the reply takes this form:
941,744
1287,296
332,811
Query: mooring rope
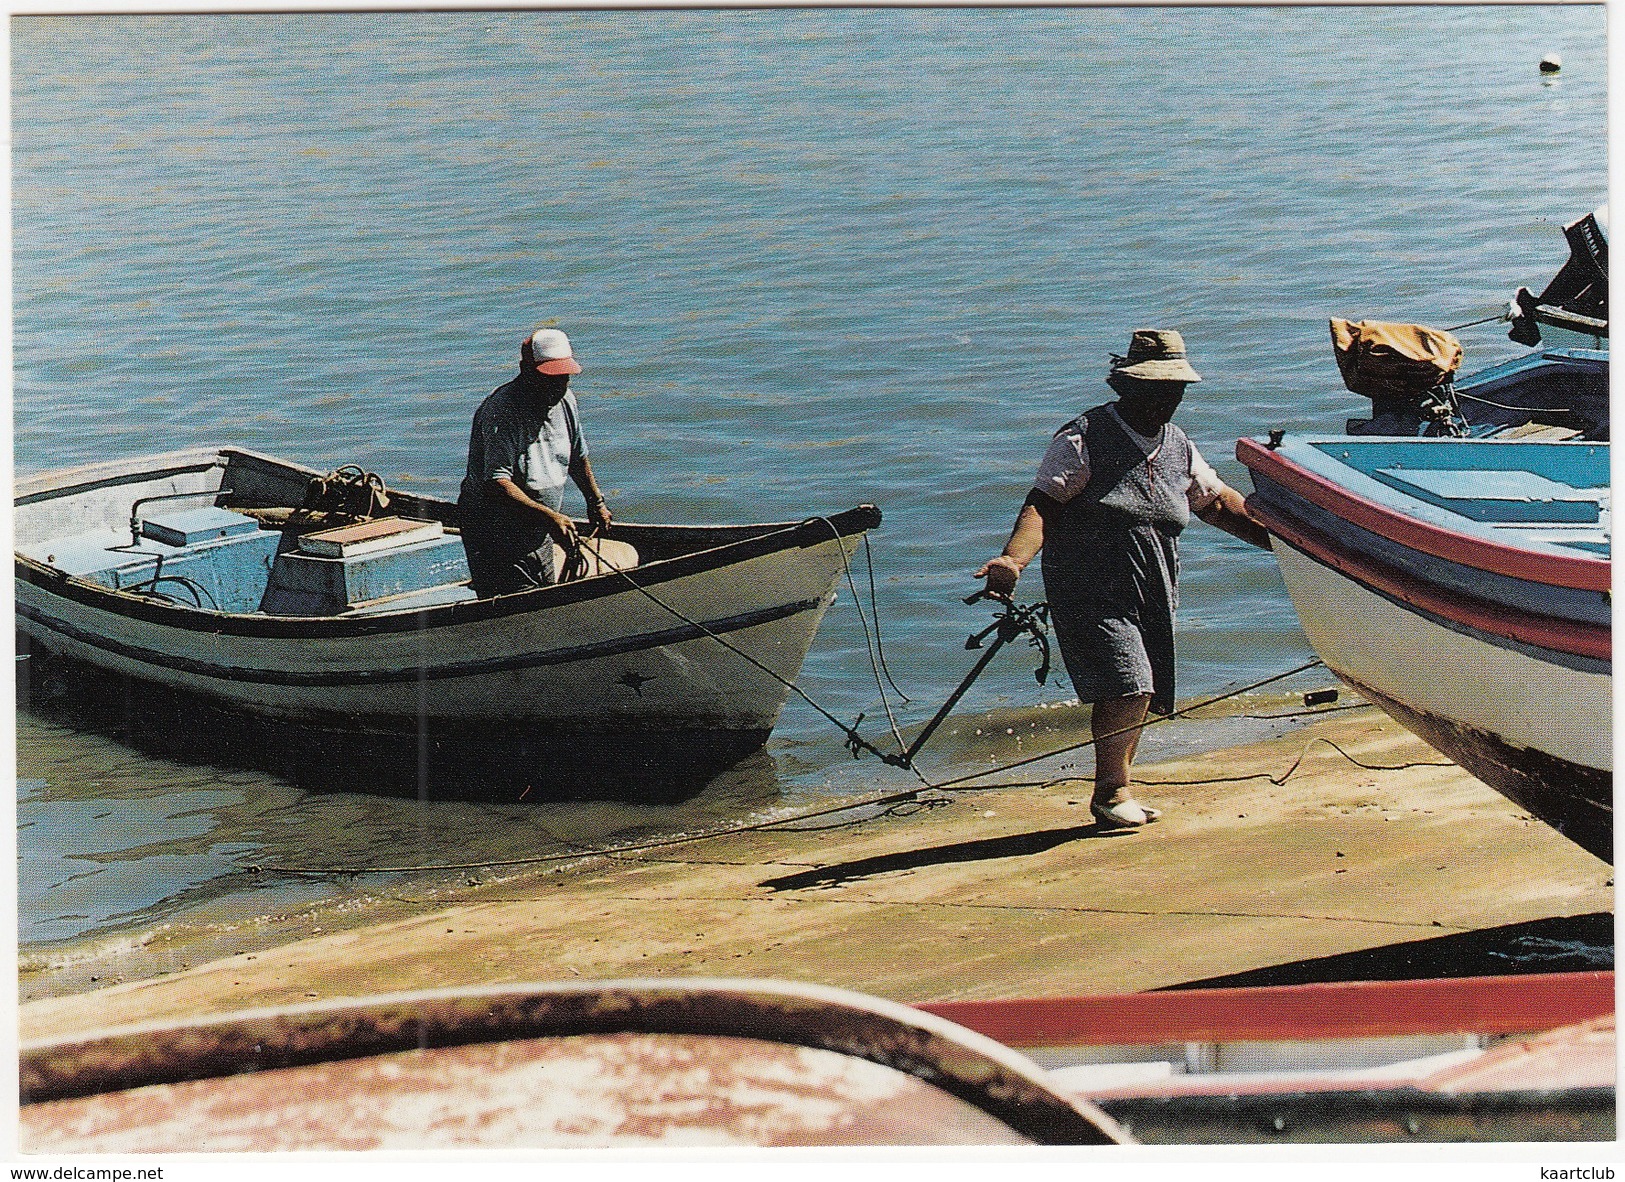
1502,315
853,738
1181,712
876,662
908,795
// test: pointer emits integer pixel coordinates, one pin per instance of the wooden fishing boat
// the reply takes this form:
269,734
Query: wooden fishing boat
1507,1058
270,599
736,1062
1463,585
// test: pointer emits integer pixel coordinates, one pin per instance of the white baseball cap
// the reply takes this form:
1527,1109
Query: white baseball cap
551,350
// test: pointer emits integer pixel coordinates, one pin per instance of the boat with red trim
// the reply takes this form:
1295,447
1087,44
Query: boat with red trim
326,623
739,1062
1504,1058
1464,586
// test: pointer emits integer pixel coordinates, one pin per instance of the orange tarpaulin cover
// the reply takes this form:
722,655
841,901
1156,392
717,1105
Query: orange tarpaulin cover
1380,359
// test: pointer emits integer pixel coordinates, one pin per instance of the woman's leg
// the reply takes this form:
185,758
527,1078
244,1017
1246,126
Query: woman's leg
1116,725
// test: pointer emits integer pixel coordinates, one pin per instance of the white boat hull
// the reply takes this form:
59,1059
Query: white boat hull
684,662
620,661
1536,727
1526,700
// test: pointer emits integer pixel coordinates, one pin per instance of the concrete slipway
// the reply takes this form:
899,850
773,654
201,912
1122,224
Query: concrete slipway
1405,862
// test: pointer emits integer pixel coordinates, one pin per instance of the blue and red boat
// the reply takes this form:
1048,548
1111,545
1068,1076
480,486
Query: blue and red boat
1463,585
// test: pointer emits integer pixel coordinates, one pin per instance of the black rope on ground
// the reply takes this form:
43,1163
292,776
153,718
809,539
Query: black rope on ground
1271,777
903,809
1129,729
1311,712
1370,767
906,797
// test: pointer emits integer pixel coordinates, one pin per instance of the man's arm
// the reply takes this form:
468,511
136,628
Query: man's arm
560,526
1026,540
597,508
1228,511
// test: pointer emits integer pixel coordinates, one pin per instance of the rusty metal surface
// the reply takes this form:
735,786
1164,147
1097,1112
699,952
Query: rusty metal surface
1585,1055
573,1092
982,1073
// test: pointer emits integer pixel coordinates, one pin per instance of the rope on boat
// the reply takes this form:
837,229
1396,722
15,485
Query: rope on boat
885,800
854,741
1534,410
1504,315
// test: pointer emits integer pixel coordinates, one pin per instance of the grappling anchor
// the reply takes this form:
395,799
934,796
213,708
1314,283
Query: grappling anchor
1016,619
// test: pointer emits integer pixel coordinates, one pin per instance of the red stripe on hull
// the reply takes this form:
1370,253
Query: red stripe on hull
1582,574
1564,636
1352,1009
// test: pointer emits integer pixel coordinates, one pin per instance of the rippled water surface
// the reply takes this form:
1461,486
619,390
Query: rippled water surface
808,259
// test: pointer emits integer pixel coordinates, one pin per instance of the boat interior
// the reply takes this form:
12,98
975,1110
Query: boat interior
220,559
233,532
1549,496
1552,394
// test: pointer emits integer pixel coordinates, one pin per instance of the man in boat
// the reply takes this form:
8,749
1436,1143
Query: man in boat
525,444
1115,489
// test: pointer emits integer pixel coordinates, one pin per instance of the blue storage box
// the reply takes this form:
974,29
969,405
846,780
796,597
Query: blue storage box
317,585
188,527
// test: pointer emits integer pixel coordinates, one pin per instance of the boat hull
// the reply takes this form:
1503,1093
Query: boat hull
619,661
1481,623
691,656
1530,726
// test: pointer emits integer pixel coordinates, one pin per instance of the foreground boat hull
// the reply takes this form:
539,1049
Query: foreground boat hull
641,1063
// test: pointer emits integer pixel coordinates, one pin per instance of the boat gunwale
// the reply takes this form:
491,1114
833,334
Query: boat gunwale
1571,571
1555,357
1570,637
1509,1004
47,486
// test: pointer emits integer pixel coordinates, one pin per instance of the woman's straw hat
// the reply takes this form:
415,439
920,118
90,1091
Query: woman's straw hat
1156,355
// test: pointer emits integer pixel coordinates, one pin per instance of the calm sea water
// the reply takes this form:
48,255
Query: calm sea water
808,259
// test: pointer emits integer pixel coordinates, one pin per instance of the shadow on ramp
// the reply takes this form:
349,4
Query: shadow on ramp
1014,846
1560,944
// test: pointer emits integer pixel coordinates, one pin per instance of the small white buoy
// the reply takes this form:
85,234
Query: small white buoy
1551,64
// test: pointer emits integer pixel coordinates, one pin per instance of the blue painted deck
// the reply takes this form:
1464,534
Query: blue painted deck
212,559
1534,494
218,560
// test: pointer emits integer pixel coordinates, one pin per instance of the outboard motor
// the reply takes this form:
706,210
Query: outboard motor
1576,300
